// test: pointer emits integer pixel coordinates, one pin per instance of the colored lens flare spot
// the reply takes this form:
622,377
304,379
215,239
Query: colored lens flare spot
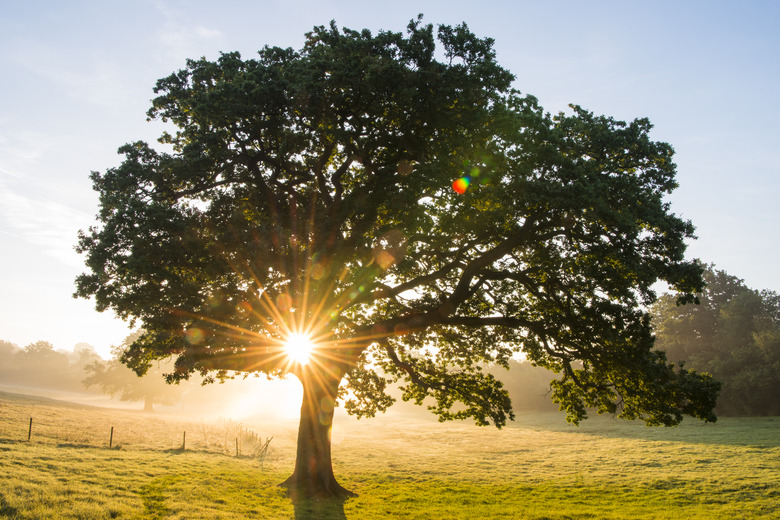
194,336
461,185
284,302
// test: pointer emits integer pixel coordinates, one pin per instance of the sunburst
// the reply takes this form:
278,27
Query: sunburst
298,348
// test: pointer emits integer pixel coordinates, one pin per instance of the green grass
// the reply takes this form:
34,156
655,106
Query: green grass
401,467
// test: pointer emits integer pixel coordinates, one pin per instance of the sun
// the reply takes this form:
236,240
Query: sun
298,348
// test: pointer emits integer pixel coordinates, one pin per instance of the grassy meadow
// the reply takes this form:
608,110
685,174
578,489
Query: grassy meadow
401,466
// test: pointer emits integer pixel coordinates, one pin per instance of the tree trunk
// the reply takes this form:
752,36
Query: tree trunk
148,404
313,475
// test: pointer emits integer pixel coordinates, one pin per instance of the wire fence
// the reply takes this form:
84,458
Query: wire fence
63,424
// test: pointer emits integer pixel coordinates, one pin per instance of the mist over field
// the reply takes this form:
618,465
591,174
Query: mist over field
40,369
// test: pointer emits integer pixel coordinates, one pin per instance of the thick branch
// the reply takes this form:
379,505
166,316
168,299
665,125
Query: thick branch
176,195
318,171
406,367
389,292
492,321
473,269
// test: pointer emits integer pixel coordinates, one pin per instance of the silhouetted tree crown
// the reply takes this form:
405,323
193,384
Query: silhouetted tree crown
311,191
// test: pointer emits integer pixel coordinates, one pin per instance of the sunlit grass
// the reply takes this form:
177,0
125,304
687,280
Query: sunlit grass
74,425
62,482
400,466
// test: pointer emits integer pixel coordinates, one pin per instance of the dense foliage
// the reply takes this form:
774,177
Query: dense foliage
311,191
733,334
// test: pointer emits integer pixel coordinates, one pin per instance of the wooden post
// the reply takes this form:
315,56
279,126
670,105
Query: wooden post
184,441
236,446
29,432
111,438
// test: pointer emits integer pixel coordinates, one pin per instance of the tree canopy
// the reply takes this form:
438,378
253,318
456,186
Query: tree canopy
414,215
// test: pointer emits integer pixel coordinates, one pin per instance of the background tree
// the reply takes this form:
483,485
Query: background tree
39,365
528,386
310,194
734,334
83,354
116,380
7,365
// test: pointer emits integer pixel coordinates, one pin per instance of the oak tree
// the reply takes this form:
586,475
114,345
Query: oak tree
394,200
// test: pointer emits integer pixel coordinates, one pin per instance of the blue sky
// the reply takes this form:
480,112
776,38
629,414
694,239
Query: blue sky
77,79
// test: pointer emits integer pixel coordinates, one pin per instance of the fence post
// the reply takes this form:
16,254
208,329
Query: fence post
184,441
29,432
111,438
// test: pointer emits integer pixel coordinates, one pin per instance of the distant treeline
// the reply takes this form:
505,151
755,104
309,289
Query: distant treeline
734,334
39,365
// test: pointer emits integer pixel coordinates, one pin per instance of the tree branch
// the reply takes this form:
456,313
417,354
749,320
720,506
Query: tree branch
406,367
318,172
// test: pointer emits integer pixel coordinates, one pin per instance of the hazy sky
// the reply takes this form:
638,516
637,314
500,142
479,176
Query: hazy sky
77,79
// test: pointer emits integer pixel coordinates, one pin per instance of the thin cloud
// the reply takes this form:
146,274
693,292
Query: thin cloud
6,172
50,225
91,76
183,42
180,39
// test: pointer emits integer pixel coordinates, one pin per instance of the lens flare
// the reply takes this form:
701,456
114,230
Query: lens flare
461,185
298,348
194,336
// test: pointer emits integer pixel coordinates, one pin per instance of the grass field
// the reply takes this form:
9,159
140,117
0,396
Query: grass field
401,466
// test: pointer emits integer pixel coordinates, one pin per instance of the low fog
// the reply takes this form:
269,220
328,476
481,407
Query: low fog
41,369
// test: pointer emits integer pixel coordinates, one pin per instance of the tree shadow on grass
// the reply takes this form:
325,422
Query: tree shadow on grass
319,509
7,510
